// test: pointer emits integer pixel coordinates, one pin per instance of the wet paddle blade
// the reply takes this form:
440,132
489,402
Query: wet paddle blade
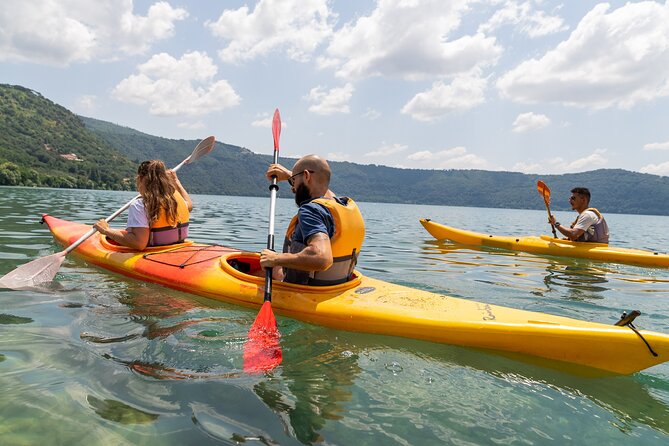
262,351
34,273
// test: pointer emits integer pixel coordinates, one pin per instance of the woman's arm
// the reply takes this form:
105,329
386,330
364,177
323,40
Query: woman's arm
181,189
136,238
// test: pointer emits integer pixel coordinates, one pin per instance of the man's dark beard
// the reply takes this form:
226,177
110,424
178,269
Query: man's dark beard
302,194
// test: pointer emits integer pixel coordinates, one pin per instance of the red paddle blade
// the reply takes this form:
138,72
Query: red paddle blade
276,128
544,191
262,351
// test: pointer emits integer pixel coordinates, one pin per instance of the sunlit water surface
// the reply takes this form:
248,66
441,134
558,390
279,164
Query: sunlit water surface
102,359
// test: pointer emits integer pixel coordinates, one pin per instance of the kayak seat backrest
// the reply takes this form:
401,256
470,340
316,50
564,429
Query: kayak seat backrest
247,263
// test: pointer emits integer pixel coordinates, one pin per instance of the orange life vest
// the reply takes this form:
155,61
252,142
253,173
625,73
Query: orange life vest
346,242
164,232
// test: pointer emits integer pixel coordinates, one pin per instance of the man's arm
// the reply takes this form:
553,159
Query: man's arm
571,233
317,256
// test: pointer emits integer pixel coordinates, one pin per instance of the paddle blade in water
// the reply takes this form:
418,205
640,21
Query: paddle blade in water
544,191
34,273
262,351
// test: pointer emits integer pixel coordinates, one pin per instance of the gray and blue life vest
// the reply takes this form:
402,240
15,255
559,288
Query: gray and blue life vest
601,230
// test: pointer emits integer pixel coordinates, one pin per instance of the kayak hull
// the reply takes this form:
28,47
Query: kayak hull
546,245
368,305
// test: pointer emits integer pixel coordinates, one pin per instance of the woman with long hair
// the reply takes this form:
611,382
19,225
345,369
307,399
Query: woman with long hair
160,216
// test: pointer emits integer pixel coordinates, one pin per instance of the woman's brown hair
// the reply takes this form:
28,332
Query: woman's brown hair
157,190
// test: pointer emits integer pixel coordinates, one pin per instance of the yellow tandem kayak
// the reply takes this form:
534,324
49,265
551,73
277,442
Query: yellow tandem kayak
546,245
368,305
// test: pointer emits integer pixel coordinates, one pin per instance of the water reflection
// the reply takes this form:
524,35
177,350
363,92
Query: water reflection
580,281
318,375
119,412
629,399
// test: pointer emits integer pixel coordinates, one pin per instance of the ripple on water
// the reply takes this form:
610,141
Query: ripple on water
132,363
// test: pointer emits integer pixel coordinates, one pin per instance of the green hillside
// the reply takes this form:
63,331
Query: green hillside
44,144
35,133
231,170
227,170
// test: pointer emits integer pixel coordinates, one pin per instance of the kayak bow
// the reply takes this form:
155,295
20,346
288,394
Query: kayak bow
546,245
368,305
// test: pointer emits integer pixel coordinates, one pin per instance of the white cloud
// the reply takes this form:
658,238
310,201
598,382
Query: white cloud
329,102
612,59
526,122
372,114
191,125
295,27
426,155
387,150
87,102
64,32
177,87
593,161
454,158
411,40
656,169
265,120
590,162
338,156
464,93
657,146
524,18
527,167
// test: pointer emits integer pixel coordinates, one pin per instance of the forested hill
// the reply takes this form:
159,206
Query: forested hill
35,133
44,144
232,170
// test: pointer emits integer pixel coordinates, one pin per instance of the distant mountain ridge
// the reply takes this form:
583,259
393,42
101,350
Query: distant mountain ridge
110,154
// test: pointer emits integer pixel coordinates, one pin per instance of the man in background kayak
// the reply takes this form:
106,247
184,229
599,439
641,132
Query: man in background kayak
323,240
589,226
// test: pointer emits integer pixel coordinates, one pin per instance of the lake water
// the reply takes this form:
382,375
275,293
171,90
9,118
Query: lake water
102,359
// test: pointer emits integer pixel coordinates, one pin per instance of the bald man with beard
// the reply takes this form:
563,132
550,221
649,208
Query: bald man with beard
324,239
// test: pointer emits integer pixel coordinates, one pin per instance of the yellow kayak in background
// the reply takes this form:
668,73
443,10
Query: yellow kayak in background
546,245
368,305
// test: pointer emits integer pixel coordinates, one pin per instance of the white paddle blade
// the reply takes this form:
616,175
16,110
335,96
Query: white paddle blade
34,273
204,147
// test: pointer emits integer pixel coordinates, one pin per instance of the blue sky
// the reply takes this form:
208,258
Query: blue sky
527,86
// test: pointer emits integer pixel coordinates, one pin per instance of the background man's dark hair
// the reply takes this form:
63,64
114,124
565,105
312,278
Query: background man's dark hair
581,191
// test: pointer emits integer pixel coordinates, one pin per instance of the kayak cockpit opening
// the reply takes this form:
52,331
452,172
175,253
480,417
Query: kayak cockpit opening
246,266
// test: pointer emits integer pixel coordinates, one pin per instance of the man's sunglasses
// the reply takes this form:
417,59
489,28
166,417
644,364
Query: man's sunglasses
291,180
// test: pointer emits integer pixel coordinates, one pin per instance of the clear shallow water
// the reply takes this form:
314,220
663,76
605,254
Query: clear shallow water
102,359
